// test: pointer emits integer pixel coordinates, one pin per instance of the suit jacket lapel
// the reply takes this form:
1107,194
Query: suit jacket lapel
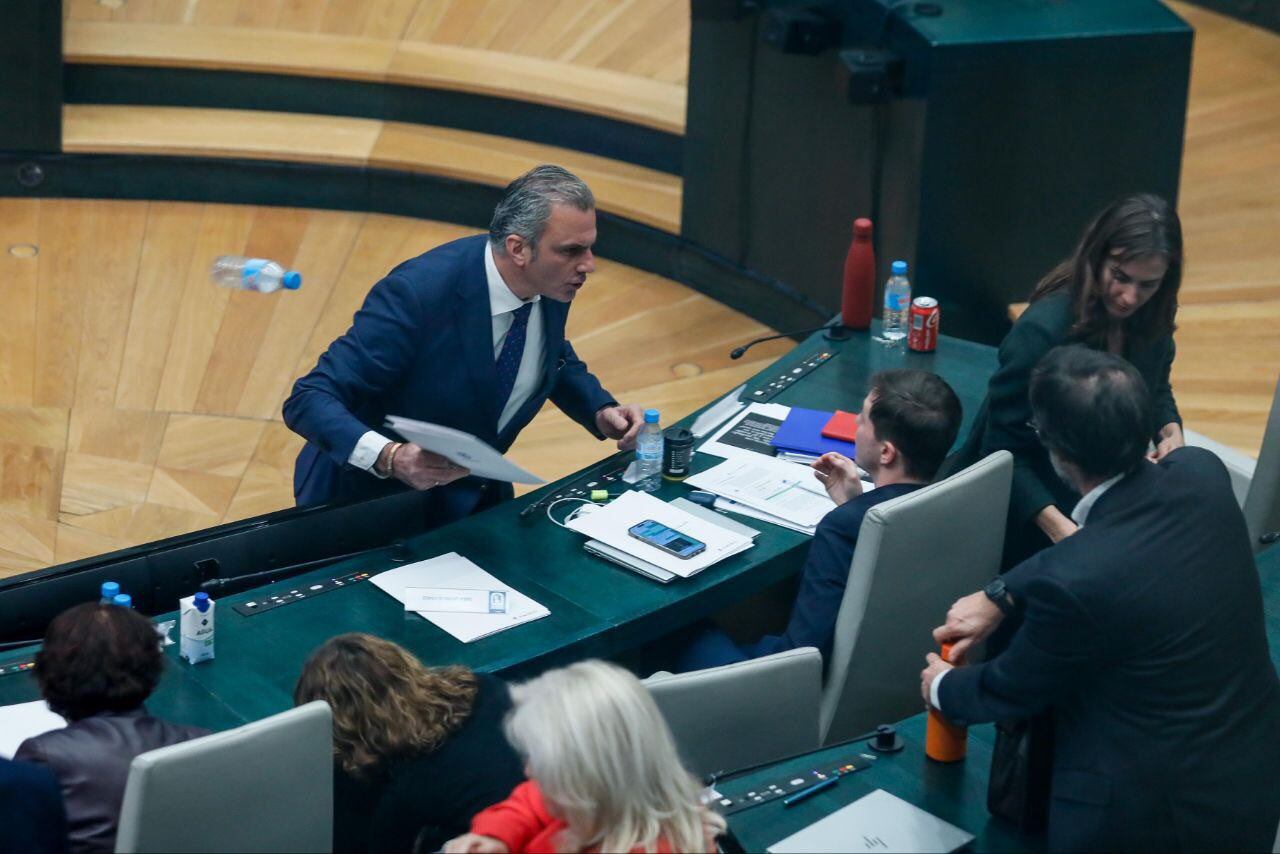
475,329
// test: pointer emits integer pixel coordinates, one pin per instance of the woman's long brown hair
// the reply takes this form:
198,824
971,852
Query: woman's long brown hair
1136,226
386,704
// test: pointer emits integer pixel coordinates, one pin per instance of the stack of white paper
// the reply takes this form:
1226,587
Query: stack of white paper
778,491
23,721
455,571
611,523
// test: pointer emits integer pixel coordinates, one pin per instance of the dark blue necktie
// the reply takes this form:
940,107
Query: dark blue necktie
512,350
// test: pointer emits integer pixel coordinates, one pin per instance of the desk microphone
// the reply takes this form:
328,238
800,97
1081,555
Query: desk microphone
398,555
737,352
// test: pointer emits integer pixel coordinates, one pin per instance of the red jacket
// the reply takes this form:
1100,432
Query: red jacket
523,823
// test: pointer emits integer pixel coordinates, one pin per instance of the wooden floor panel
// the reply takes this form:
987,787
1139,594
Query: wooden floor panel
159,409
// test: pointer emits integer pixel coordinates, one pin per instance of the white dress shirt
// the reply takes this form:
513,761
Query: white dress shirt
502,305
1078,515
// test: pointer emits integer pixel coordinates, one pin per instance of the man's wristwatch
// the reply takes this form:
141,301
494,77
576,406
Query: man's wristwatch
999,596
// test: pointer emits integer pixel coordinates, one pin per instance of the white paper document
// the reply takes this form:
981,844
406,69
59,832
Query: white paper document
454,571
779,488
23,721
748,433
611,523
461,449
876,822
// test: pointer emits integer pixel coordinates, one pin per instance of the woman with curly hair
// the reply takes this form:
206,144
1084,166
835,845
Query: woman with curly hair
417,750
97,666
605,775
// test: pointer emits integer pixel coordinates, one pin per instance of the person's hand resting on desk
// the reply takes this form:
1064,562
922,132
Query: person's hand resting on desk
839,476
621,422
411,465
474,843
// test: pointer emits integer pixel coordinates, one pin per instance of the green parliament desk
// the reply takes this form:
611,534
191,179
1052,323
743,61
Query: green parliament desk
597,608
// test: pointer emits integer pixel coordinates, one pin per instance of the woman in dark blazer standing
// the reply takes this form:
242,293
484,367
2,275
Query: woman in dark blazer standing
1117,292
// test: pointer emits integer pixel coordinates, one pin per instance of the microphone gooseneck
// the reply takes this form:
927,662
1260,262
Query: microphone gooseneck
738,352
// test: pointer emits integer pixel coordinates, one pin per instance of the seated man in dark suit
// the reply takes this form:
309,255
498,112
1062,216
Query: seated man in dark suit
469,335
31,811
909,421
1143,632
97,666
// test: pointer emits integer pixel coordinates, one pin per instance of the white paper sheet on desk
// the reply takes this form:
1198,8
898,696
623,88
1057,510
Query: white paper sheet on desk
759,422
715,415
23,721
461,449
876,822
779,488
454,570
728,505
610,524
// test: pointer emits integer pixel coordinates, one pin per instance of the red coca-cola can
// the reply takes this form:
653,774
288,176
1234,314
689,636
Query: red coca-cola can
922,335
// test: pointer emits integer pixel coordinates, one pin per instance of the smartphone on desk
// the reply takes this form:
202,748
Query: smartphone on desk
668,539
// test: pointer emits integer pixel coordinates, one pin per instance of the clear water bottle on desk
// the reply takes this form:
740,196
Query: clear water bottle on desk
110,590
649,453
897,305
253,274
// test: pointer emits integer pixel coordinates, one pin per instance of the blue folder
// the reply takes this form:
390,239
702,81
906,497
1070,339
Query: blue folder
801,433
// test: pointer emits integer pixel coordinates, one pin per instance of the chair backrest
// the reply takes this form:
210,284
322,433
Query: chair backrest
742,714
916,555
1262,506
265,786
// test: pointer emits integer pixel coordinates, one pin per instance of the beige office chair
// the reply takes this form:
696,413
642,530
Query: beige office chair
1262,506
265,786
916,555
741,714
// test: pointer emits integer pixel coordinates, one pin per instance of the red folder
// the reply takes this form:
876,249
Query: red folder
841,426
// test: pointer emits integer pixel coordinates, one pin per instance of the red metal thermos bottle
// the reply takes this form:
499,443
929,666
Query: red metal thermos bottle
943,740
859,278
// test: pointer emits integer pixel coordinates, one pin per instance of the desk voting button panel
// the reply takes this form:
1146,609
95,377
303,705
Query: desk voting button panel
788,378
766,792
20,665
253,607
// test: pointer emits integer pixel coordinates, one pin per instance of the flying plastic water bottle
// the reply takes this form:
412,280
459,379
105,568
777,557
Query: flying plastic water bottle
253,274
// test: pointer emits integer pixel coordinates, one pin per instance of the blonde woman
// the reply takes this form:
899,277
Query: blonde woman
604,774
417,751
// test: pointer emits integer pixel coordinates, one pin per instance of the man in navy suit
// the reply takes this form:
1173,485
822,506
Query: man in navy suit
1143,631
469,335
31,810
908,422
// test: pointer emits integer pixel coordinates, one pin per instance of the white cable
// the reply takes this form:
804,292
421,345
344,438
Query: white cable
574,513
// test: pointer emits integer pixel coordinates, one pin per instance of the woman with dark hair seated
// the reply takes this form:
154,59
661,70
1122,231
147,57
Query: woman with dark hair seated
418,751
97,666
1117,292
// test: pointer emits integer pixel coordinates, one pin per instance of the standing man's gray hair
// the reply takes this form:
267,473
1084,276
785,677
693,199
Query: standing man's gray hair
526,204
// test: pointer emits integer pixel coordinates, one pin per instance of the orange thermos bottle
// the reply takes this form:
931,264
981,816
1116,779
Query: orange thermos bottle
943,740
